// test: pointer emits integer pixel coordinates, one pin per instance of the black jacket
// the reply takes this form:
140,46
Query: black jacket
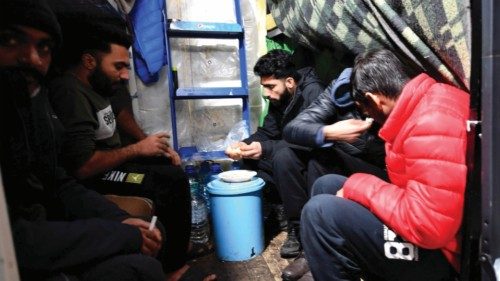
270,134
325,110
56,223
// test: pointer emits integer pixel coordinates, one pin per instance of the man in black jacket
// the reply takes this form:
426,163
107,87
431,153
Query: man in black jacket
289,91
59,227
334,130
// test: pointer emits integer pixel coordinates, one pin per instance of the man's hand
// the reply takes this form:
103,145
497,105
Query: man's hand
174,156
153,145
346,130
151,239
233,151
340,193
252,151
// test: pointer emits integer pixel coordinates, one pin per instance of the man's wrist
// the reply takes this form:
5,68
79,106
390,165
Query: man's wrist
132,150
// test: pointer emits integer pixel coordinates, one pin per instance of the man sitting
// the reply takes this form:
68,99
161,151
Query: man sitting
60,228
405,228
339,144
97,60
289,91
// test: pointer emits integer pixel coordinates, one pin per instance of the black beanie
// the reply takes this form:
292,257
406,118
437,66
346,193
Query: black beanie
33,13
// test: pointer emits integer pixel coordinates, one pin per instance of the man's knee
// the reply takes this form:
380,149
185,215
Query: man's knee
328,184
324,211
174,173
134,267
283,157
313,210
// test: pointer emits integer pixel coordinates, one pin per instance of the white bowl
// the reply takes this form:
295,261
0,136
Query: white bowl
237,175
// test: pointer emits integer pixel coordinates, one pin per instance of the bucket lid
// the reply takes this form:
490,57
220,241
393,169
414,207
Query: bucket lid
220,187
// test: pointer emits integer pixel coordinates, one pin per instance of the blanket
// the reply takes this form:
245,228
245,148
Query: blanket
436,34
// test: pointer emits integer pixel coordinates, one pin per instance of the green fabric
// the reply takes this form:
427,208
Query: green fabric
435,34
87,117
280,44
263,114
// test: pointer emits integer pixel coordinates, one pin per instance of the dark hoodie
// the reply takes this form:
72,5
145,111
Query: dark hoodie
56,223
269,135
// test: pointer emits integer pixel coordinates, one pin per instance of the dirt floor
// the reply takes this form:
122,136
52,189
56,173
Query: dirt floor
266,266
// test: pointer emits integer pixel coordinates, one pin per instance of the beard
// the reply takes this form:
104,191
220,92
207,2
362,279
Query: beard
102,84
19,83
283,101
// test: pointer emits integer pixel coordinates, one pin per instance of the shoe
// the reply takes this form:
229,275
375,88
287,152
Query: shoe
291,247
296,269
307,277
279,213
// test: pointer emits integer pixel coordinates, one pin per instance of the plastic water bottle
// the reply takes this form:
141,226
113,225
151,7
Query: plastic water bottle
204,176
235,165
199,214
215,169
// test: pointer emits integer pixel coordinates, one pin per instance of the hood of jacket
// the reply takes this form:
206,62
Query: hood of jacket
340,92
307,77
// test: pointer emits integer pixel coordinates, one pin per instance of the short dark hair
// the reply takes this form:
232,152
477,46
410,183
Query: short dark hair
380,71
277,63
94,39
88,28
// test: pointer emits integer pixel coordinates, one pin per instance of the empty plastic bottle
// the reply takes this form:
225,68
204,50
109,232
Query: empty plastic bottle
199,215
235,165
215,169
205,177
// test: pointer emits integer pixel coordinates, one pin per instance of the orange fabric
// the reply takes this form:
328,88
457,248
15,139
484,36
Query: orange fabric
426,142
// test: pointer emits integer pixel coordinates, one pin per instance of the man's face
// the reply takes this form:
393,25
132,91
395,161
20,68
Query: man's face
111,71
375,109
274,89
27,50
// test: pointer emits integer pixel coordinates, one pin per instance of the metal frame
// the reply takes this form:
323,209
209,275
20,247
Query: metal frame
490,156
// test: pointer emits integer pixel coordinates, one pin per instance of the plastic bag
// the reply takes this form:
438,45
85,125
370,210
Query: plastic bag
237,133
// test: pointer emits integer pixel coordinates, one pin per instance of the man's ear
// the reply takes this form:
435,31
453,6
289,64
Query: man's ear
290,83
89,61
375,99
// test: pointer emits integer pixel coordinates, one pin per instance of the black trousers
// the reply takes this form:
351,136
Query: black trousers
134,267
168,187
345,241
295,171
264,169
131,267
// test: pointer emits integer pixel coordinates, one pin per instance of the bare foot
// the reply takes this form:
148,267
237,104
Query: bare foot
211,277
176,275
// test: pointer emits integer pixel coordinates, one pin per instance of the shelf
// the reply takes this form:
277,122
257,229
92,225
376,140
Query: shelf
204,29
200,93
191,152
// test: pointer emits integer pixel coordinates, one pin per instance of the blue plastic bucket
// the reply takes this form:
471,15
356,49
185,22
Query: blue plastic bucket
237,219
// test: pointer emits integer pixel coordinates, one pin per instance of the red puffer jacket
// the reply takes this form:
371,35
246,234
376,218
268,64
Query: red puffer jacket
425,138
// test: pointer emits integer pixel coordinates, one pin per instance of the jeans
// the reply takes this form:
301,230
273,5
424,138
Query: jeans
345,241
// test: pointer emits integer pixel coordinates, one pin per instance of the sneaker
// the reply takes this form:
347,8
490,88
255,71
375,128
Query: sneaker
291,247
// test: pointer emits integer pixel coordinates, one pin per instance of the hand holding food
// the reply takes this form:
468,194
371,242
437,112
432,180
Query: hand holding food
233,151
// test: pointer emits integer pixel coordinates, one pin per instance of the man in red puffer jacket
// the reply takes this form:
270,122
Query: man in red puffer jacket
405,229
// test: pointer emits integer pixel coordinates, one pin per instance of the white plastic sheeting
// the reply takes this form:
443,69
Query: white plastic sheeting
201,63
